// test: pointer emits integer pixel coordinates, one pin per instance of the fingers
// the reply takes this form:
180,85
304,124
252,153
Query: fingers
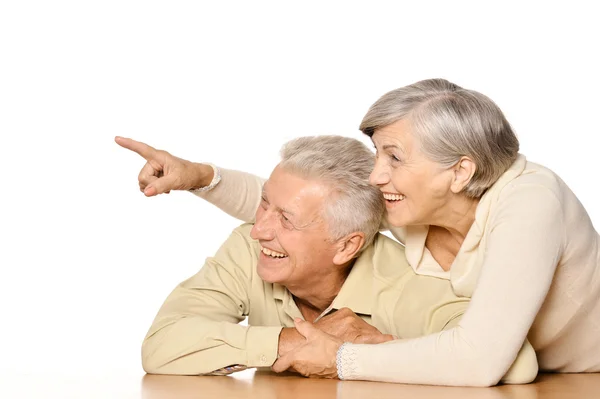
147,176
374,339
144,150
160,185
305,328
283,363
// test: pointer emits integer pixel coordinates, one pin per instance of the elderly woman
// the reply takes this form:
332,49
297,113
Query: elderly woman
469,208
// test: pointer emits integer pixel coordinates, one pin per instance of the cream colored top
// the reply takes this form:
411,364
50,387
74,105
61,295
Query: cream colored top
531,262
196,330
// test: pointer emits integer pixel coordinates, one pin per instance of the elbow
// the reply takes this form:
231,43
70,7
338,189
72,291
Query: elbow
483,376
486,381
150,365
524,377
151,361
524,368
484,373
490,373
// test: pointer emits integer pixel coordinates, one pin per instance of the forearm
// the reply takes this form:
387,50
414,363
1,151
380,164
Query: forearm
195,345
238,194
524,246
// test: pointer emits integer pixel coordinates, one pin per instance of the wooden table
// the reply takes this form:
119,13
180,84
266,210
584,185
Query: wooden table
251,384
265,385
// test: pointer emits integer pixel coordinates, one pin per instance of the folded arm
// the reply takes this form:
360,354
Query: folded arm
524,248
196,330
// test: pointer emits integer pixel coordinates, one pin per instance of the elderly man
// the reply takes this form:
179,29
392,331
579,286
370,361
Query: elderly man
312,254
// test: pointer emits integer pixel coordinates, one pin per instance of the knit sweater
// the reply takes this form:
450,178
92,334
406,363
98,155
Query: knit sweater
530,262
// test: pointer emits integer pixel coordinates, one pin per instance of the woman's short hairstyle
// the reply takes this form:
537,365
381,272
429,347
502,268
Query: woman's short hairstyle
450,122
344,164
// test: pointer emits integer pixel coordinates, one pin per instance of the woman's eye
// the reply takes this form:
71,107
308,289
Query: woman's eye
395,158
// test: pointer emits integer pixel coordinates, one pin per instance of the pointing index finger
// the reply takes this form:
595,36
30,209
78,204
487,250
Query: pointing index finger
144,150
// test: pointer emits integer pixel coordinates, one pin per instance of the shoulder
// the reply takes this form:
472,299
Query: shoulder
243,231
533,189
239,248
389,258
535,178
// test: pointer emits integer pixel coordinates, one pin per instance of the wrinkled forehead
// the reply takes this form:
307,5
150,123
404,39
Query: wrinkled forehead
293,194
398,134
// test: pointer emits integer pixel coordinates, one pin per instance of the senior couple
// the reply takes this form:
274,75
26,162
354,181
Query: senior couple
327,295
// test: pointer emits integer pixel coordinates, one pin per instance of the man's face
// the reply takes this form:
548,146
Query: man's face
296,249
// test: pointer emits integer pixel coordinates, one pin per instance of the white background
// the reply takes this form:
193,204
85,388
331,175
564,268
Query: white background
86,260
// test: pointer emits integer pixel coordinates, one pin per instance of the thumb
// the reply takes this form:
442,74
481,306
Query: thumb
305,328
160,186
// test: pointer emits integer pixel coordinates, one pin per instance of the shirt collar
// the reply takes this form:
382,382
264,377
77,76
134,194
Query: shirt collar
356,292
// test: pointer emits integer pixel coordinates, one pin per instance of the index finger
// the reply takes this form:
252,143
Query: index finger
144,150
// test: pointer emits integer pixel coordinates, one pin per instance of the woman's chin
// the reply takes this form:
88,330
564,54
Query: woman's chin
398,219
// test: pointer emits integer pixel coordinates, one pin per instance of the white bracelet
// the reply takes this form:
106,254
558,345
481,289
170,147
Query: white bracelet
216,179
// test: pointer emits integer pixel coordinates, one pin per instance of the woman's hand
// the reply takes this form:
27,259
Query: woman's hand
315,358
164,172
349,327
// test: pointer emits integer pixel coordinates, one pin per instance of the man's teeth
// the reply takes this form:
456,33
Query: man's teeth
272,254
393,197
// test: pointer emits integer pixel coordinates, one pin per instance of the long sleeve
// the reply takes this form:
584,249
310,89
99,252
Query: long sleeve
526,237
196,330
238,194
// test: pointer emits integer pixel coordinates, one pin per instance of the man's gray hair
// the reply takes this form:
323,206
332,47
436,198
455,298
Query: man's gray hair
344,164
450,122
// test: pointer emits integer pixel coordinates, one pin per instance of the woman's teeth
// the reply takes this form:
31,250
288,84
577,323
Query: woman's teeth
272,254
393,197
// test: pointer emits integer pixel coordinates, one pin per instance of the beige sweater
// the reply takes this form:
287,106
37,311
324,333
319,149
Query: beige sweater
531,262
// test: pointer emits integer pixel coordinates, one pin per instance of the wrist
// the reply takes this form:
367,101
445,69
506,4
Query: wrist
203,175
289,339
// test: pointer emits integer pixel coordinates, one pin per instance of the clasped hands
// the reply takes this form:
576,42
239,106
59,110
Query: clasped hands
311,349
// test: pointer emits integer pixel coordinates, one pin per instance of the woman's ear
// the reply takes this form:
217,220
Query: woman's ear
463,173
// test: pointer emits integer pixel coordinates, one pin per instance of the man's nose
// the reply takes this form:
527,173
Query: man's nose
263,228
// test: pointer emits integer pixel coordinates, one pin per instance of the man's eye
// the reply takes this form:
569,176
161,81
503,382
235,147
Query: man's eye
263,203
286,222
395,158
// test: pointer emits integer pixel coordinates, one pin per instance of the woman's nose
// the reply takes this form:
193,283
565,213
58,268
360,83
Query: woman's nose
379,176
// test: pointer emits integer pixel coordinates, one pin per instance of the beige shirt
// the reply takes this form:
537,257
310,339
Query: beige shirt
196,330
531,261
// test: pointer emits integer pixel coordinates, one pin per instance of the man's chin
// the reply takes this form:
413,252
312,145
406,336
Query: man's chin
268,275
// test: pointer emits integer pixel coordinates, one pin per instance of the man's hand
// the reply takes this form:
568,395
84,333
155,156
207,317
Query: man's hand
315,358
164,172
347,326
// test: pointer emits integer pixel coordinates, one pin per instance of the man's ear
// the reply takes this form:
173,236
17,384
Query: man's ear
463,173
348,247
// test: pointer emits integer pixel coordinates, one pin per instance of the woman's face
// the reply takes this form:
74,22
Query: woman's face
415,189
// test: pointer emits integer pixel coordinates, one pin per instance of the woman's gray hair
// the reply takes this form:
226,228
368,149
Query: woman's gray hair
344,164
450,122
